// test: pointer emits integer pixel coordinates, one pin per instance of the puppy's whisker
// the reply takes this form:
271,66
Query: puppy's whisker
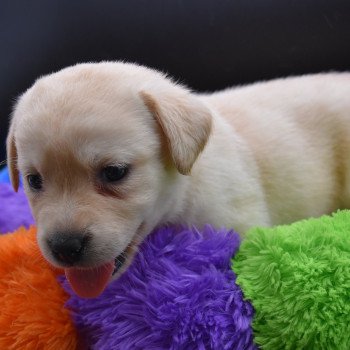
131,248
135,243
5,161
138,235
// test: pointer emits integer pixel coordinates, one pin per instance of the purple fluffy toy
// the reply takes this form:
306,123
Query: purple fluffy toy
179,292
14,209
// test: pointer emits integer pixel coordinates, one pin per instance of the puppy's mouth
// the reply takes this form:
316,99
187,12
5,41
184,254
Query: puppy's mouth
91,282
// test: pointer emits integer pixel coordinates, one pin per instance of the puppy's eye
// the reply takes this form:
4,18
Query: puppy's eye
35,181
114,173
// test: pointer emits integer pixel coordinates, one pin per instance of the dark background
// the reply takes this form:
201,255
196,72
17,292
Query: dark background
207,44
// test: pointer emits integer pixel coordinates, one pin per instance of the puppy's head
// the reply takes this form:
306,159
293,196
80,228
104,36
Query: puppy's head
102,149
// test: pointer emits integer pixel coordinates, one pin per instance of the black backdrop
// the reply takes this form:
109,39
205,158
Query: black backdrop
207,44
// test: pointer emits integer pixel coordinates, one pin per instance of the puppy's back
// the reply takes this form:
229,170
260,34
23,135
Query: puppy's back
298,130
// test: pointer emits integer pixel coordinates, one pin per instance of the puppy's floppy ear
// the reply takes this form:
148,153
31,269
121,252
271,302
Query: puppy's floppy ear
185,121
12,157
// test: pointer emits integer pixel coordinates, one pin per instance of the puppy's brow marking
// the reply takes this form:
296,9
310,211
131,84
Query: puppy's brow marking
109,191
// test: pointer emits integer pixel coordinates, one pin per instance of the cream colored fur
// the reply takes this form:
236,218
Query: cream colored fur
265,154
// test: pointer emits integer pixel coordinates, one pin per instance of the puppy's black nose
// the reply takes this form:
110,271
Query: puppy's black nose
67,248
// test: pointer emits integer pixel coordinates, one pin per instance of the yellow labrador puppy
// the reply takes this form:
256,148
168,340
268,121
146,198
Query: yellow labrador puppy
109,151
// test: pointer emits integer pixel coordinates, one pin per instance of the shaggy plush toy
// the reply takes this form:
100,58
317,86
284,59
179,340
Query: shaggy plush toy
181,293
298,279
32,314
14,208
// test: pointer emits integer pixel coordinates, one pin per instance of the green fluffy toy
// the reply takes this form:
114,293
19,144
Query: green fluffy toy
298,279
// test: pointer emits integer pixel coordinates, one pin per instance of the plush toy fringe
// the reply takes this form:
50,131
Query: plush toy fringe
298,280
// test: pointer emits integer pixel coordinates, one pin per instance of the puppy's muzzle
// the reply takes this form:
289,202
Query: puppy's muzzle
68,248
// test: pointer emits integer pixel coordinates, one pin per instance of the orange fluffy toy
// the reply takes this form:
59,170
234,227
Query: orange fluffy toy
32,314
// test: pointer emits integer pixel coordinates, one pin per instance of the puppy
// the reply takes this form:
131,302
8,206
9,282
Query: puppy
109,151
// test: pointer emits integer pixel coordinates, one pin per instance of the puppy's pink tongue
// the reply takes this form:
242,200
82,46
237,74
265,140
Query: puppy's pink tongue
90,283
